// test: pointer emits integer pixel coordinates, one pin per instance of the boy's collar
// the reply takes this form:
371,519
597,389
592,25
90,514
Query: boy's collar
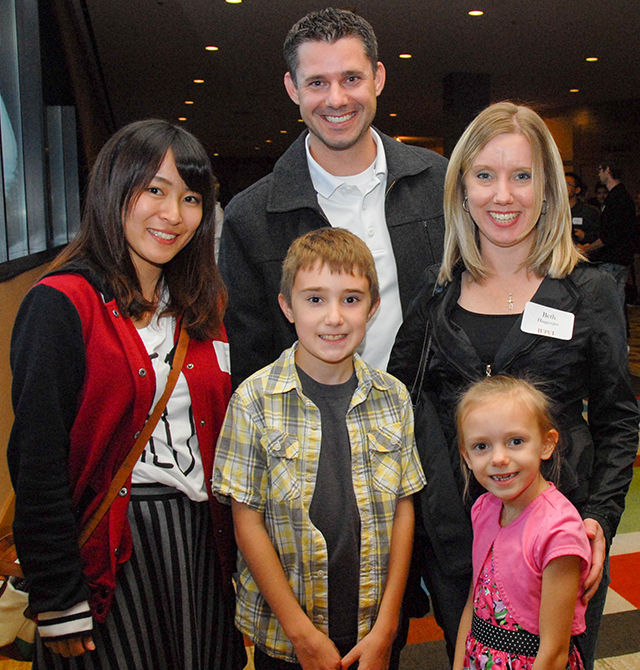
283,376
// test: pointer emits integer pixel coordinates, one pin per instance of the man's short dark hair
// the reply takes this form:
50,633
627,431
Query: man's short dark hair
577,180
614,168
329,25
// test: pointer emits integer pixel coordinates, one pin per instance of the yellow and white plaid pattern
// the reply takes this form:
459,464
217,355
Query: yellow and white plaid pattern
267,458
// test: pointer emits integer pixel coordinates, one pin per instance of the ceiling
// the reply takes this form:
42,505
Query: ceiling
534,50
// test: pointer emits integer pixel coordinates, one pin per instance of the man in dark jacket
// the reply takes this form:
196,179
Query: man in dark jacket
585,218
340,172
614,248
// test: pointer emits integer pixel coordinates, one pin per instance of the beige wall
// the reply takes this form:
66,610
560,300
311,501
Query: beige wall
11,294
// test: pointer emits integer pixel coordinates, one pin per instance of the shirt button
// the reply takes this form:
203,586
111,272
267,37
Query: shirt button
319,618
116,313
142,372
189,366
136,436
371,232
315,426
276,447
320,574
123,492
309,478
202,422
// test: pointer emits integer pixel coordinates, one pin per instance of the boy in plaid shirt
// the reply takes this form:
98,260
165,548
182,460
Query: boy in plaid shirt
317,454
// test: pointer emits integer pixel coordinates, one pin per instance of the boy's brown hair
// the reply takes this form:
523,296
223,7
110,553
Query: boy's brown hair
337,248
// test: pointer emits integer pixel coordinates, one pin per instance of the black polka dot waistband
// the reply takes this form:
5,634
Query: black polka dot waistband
520,642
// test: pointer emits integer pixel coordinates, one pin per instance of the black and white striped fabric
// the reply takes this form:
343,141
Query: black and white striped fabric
169,612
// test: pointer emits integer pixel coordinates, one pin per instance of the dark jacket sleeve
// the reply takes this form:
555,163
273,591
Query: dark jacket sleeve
249,319
405,355
613,410
47,360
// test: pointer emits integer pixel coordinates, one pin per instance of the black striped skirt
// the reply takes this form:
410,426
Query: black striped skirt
169,611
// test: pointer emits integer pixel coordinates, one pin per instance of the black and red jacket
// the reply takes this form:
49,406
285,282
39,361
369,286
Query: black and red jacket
83,385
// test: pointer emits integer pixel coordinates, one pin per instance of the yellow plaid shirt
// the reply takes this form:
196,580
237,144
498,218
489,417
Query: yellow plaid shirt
267,457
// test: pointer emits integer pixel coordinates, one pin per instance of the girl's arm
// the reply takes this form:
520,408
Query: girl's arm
463,631
314,649
374,650
560,582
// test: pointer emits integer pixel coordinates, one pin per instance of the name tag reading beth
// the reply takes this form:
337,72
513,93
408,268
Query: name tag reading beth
547,321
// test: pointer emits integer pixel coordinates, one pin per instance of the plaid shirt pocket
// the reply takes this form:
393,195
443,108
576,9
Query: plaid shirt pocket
282,454
385,448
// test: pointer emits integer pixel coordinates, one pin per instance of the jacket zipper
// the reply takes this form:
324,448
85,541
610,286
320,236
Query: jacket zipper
487,371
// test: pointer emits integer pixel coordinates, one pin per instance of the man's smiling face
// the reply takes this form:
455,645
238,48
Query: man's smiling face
337,91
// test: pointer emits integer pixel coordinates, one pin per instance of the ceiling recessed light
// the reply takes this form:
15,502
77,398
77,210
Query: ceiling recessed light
591,59
198,81
234,2
393,114
211,48
188,102
216,154
256,148
574,90
182,118
476,12
284,132
300,120
268,141
405,55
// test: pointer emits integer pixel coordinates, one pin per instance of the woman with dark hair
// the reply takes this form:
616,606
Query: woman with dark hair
91,353
514,297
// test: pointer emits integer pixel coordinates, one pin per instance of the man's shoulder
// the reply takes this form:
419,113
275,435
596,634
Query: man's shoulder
584,208
253,197
288,171
400,156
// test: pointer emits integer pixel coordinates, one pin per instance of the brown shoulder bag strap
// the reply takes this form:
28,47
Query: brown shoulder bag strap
127,466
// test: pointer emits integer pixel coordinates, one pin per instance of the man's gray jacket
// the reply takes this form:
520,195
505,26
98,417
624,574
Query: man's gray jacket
261,222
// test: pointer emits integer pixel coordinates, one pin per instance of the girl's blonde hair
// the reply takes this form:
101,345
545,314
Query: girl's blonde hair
531,397
553,251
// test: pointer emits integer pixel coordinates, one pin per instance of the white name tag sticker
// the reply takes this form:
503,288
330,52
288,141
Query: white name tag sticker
222,352
547,321
577,221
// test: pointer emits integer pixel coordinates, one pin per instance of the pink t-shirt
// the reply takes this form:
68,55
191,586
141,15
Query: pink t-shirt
549,527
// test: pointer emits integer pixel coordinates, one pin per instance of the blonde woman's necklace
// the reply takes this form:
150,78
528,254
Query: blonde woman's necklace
510,293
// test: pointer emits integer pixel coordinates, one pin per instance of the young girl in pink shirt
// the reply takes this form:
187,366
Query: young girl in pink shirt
530,550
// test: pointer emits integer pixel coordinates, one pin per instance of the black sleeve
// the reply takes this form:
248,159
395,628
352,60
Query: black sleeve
613,411
618,220
48,363
249,319
405,355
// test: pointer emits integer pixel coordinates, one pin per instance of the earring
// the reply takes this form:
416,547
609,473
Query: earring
465,204
543,211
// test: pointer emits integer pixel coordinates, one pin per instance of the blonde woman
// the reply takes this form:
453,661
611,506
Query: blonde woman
513,296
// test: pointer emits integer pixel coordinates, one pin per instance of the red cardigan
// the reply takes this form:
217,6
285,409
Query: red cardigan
78,419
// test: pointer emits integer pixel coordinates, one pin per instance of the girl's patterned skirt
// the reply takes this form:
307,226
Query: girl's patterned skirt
505,644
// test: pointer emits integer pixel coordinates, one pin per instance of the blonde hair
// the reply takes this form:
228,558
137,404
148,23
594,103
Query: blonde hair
553,251
339,249
529,394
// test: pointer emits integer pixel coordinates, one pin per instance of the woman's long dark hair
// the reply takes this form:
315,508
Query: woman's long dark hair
124,168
